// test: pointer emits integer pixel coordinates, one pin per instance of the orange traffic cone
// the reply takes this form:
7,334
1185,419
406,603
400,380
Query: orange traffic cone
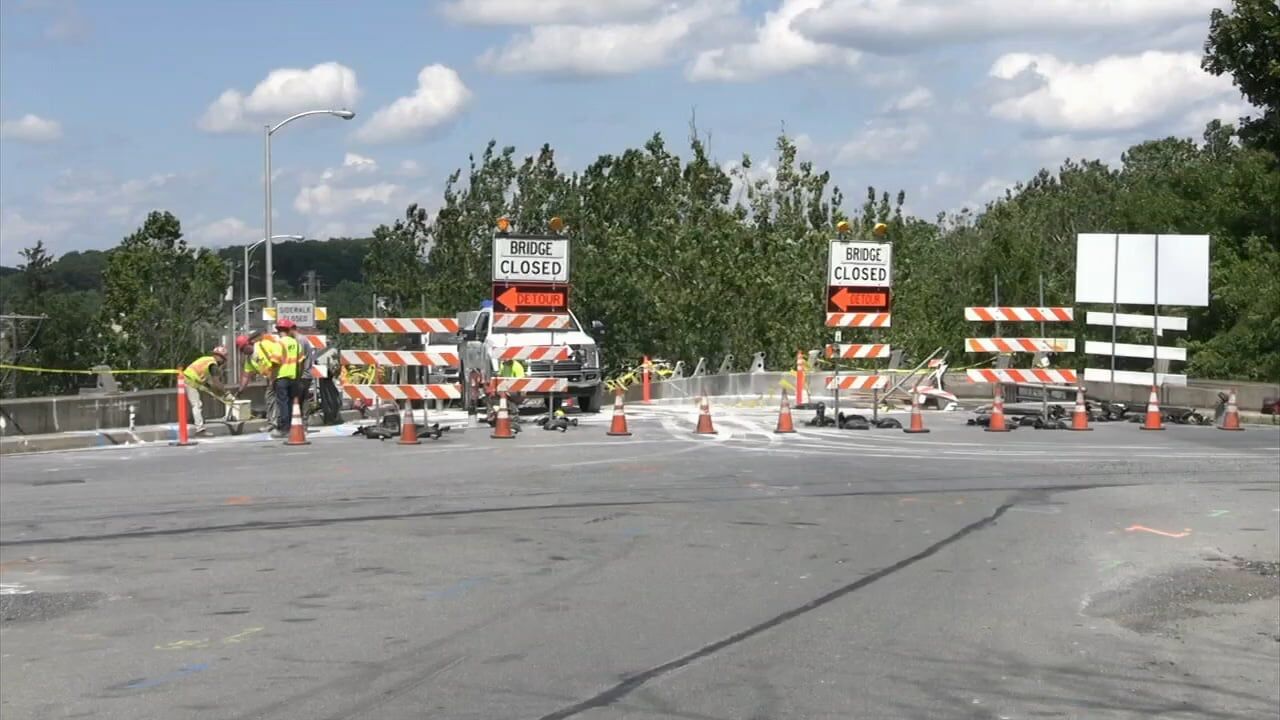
1231,420
297,431
502,425
1154,420
917,420
997,423
704,419
784,418
1080,416
408,430
619,426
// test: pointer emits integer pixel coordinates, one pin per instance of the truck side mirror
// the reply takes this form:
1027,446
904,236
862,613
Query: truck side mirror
597,327
469,334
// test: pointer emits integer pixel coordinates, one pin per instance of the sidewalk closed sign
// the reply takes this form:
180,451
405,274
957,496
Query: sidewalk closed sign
860,264
301,313
539,259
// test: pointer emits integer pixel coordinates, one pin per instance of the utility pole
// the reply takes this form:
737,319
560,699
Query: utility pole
311,285
12,347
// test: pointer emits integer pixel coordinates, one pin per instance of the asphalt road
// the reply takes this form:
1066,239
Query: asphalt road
828,574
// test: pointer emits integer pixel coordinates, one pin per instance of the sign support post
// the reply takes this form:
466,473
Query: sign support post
1115,311
1155,319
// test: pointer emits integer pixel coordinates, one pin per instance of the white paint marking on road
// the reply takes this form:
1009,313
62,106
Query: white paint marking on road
14,589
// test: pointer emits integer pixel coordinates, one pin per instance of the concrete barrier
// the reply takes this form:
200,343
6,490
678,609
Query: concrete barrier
72,413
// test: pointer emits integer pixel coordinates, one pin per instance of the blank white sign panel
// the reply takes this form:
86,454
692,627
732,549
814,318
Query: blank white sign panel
1184,269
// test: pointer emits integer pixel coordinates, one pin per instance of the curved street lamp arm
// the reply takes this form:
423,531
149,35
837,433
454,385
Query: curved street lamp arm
340,113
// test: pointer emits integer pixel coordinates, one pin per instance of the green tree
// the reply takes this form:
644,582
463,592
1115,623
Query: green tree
37,271
1246,44
158,291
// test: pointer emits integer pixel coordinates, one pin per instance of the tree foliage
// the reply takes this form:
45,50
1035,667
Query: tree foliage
1246,44
157,292
686,257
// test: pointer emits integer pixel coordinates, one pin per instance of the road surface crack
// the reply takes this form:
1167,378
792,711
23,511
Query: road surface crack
630,684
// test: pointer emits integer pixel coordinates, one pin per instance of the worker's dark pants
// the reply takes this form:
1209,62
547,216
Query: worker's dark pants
283,386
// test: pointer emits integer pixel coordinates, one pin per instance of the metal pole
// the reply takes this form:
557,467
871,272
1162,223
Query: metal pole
246,287
1044,387
233,353
1155,320
996,300
266,220
1115,310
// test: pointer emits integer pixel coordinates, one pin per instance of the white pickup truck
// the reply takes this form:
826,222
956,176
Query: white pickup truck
480,347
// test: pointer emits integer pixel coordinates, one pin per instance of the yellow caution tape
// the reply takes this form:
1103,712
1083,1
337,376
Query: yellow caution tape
27,368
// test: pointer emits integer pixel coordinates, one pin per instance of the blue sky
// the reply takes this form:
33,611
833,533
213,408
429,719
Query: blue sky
112,108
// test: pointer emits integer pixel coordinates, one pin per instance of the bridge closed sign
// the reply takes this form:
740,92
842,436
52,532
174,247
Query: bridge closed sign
531,258
860,264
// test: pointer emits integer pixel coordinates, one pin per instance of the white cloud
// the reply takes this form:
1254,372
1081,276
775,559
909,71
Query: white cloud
1114,93
83,209
282,93
917,98
607,49
777,48
543,12
1228,111
18,232
31,129
439,98
409,169
908,26
1056,149
100,191
880,142
227,231
359,163
325,199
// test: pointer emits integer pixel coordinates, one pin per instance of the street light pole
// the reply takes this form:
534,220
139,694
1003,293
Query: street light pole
249,249
267,132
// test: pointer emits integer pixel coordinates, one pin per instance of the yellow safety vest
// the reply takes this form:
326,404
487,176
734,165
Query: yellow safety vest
513,369
197,372
266,355
289,361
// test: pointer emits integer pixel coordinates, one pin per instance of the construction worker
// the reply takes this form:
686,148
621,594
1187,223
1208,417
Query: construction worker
204,375
287,386
262,359
511,369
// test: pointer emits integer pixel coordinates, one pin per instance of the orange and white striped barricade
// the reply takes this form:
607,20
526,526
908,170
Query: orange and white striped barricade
530,385
857,382
432,356
398,393
541,353
532,321
1019,345
1043,376
1019,314
1008,345
858,351
858,320
415,325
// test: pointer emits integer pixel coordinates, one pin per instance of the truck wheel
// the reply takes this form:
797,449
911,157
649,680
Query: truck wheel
590,403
